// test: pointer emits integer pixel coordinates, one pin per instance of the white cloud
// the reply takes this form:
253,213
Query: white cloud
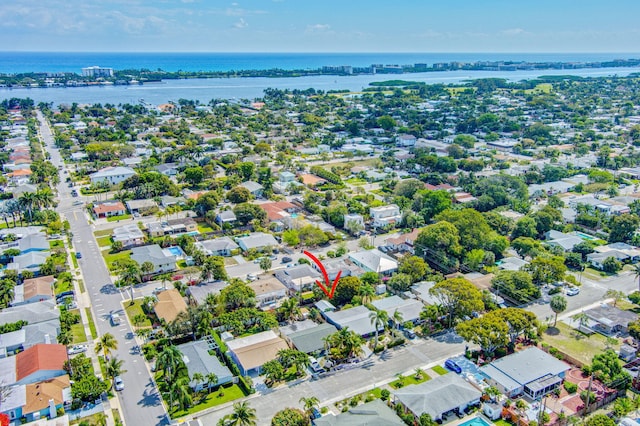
241,24
513,31
317,28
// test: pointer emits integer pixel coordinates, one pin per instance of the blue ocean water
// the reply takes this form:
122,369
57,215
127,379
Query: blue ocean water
17,62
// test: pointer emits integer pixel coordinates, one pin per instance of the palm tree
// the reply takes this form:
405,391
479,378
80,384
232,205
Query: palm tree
169,362
6,293
211,380
378,320
398,318
635,270
197,378
309,404
27,201
147,268
114,368
367,292
616,295
582,319
180,392
243,415
558,304
106,344
290,309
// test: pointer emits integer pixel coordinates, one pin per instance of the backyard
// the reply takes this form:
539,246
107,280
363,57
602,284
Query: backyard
576,344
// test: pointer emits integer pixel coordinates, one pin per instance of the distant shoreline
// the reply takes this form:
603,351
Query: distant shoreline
110,76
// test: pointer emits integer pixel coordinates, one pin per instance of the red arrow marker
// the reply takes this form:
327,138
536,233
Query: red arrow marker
327,288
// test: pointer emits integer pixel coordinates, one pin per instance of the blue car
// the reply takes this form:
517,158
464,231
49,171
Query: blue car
451,365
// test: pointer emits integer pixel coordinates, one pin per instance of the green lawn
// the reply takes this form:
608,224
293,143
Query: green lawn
118,218
574,343
74,260
77,332
61,286
104,241
109,258
56,244
501,422
81,285
103,233
440,370
409,380
92,325
204,228
220,396
136,309
356,181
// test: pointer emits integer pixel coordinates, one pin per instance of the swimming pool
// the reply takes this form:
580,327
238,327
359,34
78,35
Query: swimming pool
175,250
585,236
476,421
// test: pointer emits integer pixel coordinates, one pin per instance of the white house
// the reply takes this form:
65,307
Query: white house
374,261
112,175
385,215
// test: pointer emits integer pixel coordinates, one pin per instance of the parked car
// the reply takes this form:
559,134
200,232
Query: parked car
287,259
252,277
410,334
572,290
76,349
118,384
61,296
115,319
451,365
78,255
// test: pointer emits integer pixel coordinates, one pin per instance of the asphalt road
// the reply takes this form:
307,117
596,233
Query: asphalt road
139,401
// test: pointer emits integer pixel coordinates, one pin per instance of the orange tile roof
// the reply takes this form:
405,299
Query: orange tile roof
40,357
108,207
39,394
21,172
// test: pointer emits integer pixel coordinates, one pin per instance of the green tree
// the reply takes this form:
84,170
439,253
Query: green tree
273,371
599,420
490,332
213,268
441,237
546,269
611,265
347,288
379,319
193,175
265,264
525,227
238,195
519,321
623,227
291,237
608,368
458,297
415,267
237,295
311,236
516,285
558,304
106,344
290,417
114,368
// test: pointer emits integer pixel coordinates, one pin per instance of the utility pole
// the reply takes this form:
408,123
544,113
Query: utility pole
587,402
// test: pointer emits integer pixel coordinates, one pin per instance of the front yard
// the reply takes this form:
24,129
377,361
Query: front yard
135,310
220,396
109,258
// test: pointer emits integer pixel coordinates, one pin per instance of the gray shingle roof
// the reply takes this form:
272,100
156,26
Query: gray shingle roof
374,413
437,396
310,340
198,360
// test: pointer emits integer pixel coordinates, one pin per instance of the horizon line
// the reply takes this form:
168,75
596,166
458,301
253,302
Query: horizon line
327,52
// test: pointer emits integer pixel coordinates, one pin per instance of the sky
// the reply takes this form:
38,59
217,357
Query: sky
320,25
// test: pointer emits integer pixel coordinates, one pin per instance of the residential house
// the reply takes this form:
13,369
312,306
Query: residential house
357,319
400,310
531,371
33,242
141,206
632,252
404,242
251,352
598,258
282,213
34,290
309,339
253,187
170,304
406,140
353,219
20,176
167,169
385,215
38,400
422,291
257,241
40,362
108,209
31,261
559,239
172,227
168,200
609,320
442,395
198,293
269,292
298,277
286,181
129,235
33,313
223,246
344,266
112,175
30,335
199,358
373,413
374,261
511,263
154,254
226,216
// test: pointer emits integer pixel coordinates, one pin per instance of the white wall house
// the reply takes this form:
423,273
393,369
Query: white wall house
385,215
112,175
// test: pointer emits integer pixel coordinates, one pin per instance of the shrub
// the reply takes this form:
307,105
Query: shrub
586,394
384,394
570,387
